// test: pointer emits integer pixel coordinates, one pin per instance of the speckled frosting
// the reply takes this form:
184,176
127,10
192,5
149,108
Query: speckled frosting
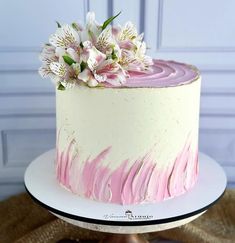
131,145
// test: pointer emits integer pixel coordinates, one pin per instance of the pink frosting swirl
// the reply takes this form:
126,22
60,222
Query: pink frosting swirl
164,74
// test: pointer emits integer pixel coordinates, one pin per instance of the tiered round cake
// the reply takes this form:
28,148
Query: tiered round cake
131,144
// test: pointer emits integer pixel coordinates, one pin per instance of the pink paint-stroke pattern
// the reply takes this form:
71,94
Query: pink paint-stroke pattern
142,182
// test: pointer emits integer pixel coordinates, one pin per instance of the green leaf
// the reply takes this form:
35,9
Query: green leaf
61,87
83,65
109,20
68,60
58,24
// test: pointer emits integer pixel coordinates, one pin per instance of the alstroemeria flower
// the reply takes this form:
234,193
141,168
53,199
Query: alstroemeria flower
88,77
102,70
58,69
94,55
47,56
65,37
92,29
111,72
133,49
105,42
66,75
95,58
140,56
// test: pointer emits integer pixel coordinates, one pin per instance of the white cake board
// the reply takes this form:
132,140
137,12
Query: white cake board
41,184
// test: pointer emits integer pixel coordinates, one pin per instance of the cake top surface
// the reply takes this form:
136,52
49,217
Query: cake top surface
163,74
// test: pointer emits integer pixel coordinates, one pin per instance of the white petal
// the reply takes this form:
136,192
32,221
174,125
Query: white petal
117,50
108,66
48,55
70,84
148,61
91,24
90,18
128,32
127,57
47,59
84,36
105,40
117,81
140,37
60,51
95,58
92,82
73,54
76,68
44,71
64,37
142,50
116,30
58,69
84,75
100,78
87,45
48,50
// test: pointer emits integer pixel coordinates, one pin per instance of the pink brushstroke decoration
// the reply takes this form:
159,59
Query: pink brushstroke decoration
142,182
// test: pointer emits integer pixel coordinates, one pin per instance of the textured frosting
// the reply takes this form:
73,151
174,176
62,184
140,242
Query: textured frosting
128,145
127,185
164,74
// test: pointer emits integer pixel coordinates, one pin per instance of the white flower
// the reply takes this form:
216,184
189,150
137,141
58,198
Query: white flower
46,72
96,55
75,55
92,30
105,41
128,32
102,70
76,68
87,77
92,25
58,69
48,55
111,72
127,57
65,37
140,56
95,58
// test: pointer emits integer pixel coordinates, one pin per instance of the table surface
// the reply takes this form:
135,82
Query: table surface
41,184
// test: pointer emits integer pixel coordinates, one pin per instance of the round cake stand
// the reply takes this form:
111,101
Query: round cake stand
124,221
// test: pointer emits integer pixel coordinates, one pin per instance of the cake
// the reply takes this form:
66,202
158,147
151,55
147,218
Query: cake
127,130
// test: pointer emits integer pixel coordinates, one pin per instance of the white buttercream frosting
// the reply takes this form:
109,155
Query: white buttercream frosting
132,121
